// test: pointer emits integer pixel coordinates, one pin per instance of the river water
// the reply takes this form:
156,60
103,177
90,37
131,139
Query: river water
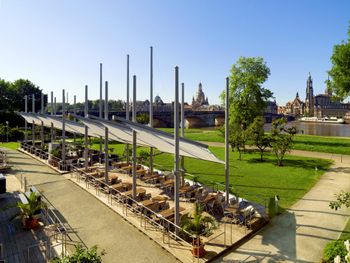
321,129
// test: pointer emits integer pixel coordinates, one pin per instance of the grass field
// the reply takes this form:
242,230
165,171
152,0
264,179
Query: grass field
250,178
10,145
301,142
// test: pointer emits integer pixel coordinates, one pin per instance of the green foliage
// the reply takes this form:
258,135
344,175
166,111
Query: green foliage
340,71
82,255
343,199
256,133
281,139
198,224
247,96
142,118
333,249
237,139
31,209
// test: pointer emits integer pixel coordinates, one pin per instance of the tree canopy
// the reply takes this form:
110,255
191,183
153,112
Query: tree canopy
248,98
12,95
340,71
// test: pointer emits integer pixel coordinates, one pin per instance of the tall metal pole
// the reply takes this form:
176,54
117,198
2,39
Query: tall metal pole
52,113
182,131
134,140
33,124
55,113
42,123
63,131
176,150
127,103
106,133
86,134
151,109
101,107
25,121
75,113
227,161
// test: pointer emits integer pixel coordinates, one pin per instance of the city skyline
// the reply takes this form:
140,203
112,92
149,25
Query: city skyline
60,45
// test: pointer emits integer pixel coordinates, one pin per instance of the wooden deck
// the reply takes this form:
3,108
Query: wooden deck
22,245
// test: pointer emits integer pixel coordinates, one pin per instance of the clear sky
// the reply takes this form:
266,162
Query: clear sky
59,44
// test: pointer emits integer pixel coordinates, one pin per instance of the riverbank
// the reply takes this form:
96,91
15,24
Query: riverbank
327,144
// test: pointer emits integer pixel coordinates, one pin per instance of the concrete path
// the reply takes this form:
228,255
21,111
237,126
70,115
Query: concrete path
301,233
94,222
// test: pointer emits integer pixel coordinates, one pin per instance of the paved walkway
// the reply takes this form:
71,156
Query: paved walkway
301,233
94,222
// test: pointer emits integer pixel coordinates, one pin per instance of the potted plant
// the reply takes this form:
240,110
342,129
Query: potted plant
198,225
55,156
30,211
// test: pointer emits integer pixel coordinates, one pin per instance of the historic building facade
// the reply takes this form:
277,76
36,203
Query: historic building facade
321,105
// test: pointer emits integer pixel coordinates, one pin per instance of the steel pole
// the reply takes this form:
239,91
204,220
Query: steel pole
134,140
75,113
52,112
55,113
127,103
151,108
101,107
25,122
63,131
176,150
86,134
33,124
227,172
182,131
42,123
106,133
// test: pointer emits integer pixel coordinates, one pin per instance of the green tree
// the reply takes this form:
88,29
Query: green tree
247,97
340,71
257,134
281,139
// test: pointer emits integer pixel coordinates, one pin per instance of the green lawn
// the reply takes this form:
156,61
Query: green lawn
301,142
10,145
250,178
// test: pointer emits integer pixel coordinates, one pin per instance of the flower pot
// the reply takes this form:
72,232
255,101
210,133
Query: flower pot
198,250
30,223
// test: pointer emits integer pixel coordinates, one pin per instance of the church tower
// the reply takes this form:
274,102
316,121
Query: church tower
309,100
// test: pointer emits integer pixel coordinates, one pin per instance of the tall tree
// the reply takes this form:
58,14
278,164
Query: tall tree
248,98
340,71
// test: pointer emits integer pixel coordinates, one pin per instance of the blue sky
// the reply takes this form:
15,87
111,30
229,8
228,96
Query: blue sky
59,44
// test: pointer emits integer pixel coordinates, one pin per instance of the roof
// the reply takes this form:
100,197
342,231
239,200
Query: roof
121,130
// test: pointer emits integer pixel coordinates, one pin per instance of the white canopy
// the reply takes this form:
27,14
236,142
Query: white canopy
121,131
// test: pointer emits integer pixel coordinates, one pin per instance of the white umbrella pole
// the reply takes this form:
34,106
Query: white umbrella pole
176,153
63,132
106,133
33,124
127,113
182,131
151,109
100,106
227,161
25,121
86,134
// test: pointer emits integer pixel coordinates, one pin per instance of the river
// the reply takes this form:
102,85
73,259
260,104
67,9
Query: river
321,129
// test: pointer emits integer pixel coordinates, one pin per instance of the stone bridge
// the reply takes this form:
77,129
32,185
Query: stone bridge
193,119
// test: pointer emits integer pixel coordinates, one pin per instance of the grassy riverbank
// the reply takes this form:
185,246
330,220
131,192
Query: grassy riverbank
301,142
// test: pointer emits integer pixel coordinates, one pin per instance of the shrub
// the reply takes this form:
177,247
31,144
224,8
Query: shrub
333,249
82,255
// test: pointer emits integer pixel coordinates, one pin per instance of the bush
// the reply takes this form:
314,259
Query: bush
82,255
333,249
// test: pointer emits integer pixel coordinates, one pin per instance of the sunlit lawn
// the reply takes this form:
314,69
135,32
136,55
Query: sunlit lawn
10,145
